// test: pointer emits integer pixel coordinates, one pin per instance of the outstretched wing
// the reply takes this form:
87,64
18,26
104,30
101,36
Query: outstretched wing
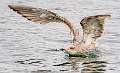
92,27
41,16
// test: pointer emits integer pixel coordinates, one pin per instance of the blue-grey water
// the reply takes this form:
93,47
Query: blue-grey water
28,47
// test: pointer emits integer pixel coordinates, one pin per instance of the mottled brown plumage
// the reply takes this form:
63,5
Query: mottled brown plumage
42,16
92,26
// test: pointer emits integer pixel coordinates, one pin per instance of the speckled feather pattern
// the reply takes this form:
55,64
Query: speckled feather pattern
92,26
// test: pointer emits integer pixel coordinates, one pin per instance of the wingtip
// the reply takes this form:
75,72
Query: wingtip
10,6
13,7
108,15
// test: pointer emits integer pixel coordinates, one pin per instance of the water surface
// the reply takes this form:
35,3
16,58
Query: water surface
27,47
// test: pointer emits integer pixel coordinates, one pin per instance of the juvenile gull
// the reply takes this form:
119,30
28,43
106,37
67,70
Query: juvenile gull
92,26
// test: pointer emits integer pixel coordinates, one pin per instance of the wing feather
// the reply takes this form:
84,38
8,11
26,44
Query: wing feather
92,27
42,16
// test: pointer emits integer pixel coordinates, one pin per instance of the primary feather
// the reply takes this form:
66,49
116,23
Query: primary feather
42,16
92,27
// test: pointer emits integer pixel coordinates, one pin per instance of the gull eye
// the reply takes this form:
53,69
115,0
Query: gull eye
72,47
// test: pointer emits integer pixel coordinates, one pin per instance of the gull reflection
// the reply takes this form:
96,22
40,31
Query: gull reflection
87,65
84,65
